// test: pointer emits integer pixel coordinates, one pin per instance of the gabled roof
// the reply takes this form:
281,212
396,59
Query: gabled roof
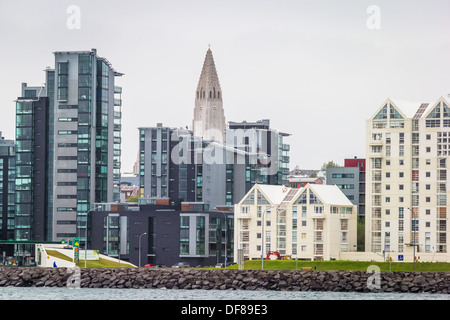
411,109
277,195
274,193
330,194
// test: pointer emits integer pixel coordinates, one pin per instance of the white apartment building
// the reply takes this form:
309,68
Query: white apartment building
312,223
408,145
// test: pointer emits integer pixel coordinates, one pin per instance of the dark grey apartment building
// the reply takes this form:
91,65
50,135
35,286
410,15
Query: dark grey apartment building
164,234
7,192
351,179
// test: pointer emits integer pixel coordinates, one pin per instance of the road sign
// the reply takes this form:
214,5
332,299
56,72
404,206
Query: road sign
400,257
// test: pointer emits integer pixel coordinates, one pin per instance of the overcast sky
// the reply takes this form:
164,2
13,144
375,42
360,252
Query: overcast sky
317,69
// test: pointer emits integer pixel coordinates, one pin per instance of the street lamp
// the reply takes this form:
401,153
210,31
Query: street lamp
85,242
140,248
262,238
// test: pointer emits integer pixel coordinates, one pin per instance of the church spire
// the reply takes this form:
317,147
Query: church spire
209,119
208,86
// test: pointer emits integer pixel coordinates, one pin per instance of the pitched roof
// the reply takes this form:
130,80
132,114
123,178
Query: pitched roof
330,194
274,193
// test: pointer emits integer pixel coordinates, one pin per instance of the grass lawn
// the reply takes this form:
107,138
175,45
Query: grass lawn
102,263
340,265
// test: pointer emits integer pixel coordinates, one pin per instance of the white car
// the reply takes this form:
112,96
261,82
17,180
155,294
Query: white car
181,265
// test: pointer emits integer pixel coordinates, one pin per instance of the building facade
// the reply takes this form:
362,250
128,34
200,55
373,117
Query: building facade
407,183
7,191
68,143
164,234
258,155
351,180
311,223
164,172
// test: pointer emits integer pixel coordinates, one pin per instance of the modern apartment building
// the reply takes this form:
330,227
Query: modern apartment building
164,234
312,223
351,179
68,146
7,191
167,167
32,157
259,156
408,145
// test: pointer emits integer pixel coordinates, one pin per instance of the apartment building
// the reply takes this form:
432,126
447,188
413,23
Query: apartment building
161,175
351,179
312,223
259,155
164,234
407,185
68,135
7,191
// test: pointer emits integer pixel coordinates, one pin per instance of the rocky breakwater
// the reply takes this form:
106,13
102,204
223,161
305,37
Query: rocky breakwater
219,279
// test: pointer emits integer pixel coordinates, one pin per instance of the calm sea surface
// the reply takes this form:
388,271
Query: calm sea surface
12,293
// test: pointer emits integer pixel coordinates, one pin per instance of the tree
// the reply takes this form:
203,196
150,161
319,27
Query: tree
329,164
132,199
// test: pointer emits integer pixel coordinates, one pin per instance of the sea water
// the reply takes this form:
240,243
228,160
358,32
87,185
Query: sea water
64,293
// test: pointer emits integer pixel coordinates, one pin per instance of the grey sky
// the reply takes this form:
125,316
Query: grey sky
313,68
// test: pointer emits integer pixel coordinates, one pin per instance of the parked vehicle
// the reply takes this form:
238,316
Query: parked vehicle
149,265
219,265
181,265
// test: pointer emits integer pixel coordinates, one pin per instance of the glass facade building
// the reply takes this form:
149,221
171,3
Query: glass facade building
68,147
7,190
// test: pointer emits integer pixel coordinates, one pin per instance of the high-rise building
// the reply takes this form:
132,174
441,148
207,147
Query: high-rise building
209,119
259,156
408,147
161,175
68,146
32,156
7,192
